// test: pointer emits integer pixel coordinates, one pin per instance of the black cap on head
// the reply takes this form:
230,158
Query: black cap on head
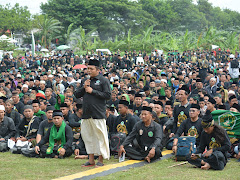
35,101
94,62
37,78
3,98
185,88
236,106
57,113
198,80
79,106
146,88
130,106
211,100
195,106
63,105
138,95
222,106
162,97
201,99
207,120
158,102
232,97
131,92
146,108
168,103
124,102
50,108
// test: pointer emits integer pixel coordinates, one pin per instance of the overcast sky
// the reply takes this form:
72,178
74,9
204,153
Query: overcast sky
34,5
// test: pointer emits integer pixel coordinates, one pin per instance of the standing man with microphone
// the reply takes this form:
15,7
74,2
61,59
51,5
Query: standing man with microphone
95,91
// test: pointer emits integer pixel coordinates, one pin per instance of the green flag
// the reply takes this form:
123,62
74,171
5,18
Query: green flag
229,120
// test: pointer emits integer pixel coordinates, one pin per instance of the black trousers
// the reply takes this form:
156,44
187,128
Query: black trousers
140,154
216,161
43,150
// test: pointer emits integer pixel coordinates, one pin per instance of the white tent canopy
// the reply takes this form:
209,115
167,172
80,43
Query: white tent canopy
215,46
104,50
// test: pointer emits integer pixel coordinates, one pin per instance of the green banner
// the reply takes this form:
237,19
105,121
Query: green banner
229,120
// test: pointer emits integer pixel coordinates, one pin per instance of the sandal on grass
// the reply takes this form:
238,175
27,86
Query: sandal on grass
99,164
88,164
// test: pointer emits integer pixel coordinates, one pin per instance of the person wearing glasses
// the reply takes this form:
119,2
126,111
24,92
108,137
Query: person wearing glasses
190,127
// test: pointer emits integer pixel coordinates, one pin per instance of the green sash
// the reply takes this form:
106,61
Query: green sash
54,135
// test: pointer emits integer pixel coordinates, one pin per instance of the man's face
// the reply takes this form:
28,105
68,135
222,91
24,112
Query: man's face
42,85
122,109
64,111
209,130
233,101
92,71
114,96
167,92
199,85
146,116
8,107
218,100
15,98
193,113
138,100
182,96
25,89
168,108
28,113
49,114
57,120
212,82
2,113
157,108
145,103
201,104
68,102
36,107
210,106
206,98
43,106
48,93
69,93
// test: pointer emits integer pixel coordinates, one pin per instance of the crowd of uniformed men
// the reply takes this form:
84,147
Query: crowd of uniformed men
50,108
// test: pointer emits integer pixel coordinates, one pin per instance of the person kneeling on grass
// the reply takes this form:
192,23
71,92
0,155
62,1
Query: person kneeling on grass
216,140
148,134
59,137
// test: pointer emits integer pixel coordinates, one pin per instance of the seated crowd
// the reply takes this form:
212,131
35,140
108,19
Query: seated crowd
151,106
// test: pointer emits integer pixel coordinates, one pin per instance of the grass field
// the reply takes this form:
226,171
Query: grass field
19,167
160,170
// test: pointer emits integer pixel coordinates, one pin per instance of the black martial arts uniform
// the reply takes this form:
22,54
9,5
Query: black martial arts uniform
218,159
147,138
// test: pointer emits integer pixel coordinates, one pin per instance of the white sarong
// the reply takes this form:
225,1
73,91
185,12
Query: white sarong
95,137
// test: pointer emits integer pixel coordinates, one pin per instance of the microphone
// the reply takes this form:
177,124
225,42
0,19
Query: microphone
88,77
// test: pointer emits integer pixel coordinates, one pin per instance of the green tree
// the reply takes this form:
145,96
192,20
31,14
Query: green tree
49,29
14,18
108,17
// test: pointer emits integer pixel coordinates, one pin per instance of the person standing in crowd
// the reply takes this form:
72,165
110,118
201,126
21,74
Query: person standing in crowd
95,92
